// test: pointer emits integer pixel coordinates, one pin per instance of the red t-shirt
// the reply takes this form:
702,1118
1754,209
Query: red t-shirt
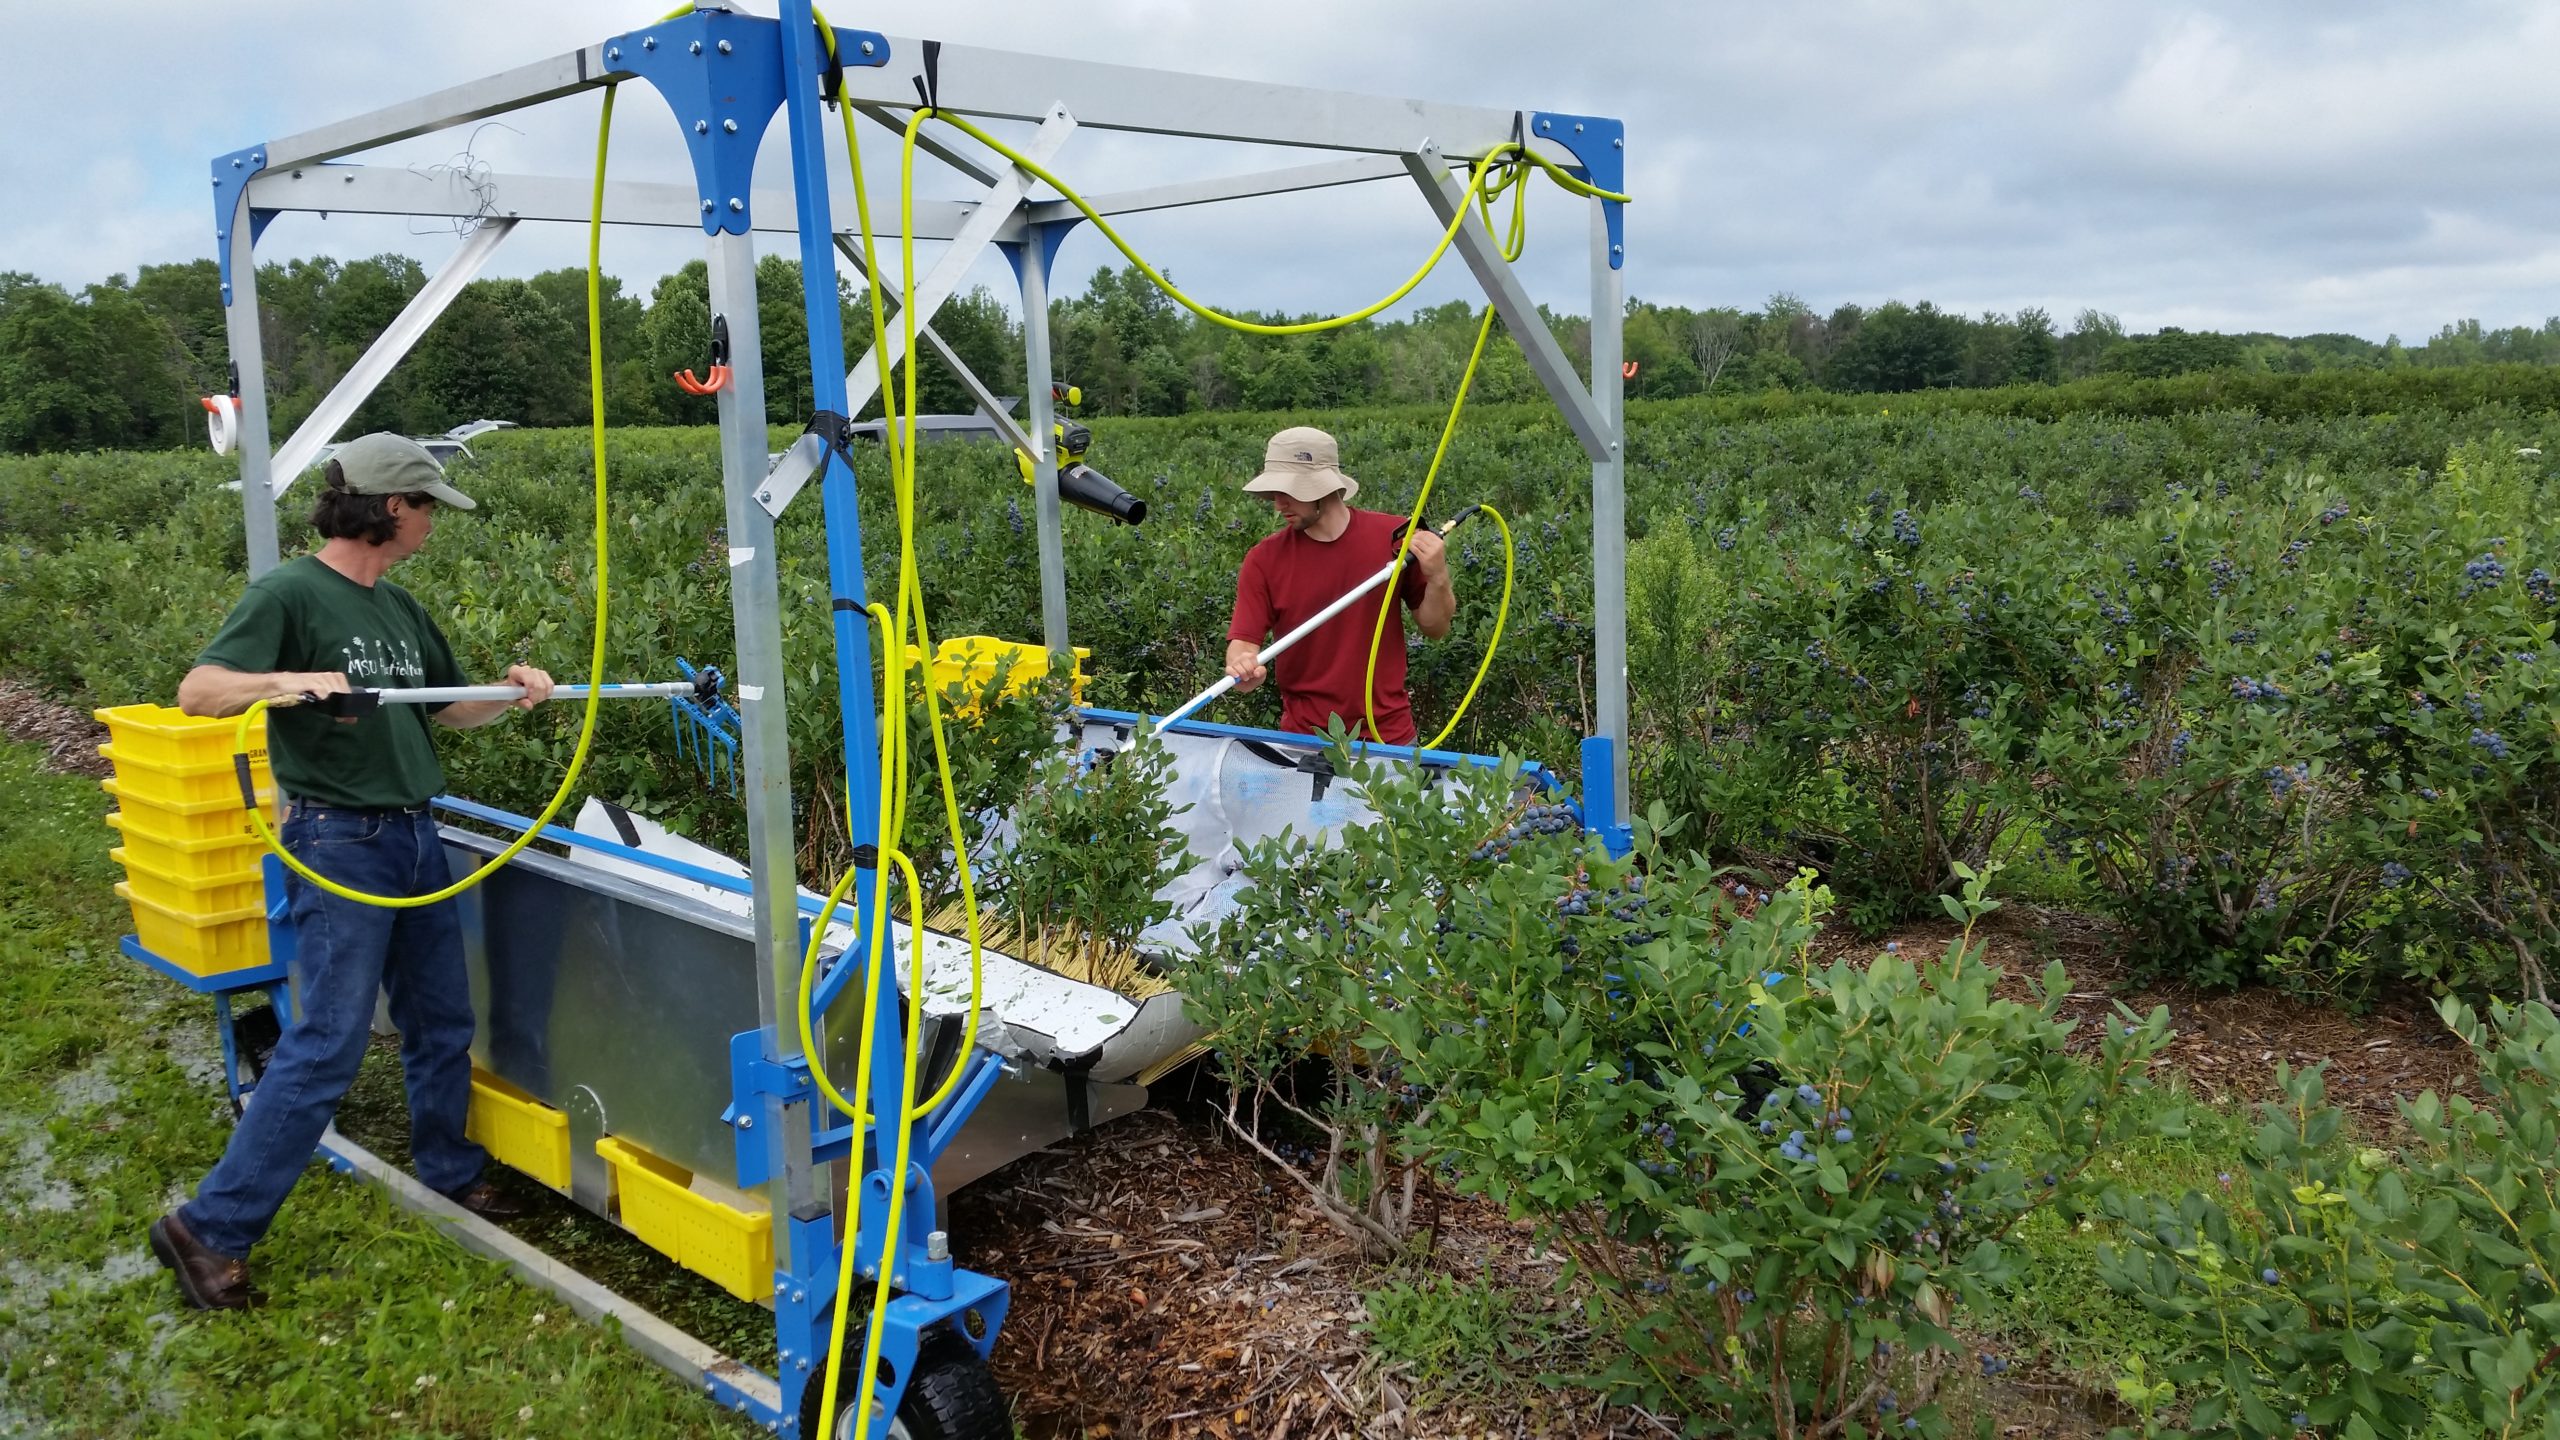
1286,579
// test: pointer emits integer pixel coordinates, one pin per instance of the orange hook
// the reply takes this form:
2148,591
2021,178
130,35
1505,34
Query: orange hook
718,379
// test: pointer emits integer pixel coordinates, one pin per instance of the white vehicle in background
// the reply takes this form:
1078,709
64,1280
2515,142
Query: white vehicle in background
221,420
448,447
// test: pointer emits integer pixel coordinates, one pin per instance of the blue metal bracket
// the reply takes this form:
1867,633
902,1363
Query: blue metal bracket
232,174
932,1293
721,1385
1600,795
1600,143
909,1269
755,1078
977,1303
1049,234
721,73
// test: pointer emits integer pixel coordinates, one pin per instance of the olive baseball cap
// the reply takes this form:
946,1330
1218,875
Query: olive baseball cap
386,464
1304,464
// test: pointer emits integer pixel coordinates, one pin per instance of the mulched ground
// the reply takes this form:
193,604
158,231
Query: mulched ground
1168,1282
2228,1043
69,736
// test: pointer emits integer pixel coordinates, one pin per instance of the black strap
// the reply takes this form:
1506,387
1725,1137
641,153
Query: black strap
1079,1097
622,825
929,84
941,1053
831,74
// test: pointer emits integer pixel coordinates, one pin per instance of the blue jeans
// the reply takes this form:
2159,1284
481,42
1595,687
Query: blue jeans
347,952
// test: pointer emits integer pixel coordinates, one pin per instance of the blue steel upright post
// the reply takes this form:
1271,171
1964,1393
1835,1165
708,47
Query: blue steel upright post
932,1289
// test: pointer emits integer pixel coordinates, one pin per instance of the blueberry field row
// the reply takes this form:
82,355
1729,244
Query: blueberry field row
2278,693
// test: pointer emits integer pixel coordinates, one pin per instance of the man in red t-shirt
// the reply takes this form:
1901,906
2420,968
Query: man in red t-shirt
1323,549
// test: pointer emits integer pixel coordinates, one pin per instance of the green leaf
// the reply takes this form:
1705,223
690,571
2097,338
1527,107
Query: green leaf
2515,1362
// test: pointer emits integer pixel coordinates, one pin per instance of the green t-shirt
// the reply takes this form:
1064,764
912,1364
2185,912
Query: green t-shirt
302,615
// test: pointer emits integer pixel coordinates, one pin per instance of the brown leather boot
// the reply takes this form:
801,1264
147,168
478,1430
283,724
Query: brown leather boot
208,1279
488,1202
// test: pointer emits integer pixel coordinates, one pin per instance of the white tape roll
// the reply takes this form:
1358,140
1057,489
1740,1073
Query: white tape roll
222,422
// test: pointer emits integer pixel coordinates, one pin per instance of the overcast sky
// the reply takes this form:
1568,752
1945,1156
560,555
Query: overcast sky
2362,167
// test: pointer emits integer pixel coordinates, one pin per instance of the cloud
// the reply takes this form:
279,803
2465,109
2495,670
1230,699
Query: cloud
2362,166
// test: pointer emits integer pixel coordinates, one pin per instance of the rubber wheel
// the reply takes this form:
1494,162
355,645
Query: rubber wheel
951,1396
255,1031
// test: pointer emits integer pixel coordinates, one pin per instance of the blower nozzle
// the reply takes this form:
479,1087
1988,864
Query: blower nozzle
1086,488
1083,486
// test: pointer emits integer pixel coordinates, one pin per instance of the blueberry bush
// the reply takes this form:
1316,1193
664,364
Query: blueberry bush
1770,1172
2364,1293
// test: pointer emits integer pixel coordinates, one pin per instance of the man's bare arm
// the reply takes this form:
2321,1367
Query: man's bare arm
471,714
1240,664
212,691
1439,606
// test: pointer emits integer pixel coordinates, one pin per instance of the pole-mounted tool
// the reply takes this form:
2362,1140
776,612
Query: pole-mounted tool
695,698
1272,651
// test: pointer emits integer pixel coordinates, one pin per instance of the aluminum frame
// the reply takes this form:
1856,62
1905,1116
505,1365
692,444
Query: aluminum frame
1003,198
375,365
1387,137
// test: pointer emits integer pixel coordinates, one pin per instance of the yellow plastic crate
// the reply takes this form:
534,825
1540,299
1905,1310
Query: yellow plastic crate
180,858
971,661
220,818
731,1248
185,895
183,784
519,1130
164,736
199,944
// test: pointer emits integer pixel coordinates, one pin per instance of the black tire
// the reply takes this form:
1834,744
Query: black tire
951,1396
255,1031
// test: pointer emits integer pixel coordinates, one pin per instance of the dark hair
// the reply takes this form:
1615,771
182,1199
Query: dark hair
341,514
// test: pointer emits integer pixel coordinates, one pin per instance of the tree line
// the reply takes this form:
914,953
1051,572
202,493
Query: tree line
120,364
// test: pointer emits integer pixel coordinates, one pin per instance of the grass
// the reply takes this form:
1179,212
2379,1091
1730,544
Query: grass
2054,1304
110,1111
1462,1337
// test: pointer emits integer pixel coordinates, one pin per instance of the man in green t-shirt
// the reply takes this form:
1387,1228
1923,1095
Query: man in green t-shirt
356,793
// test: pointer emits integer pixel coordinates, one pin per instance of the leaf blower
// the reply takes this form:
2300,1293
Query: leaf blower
1080,484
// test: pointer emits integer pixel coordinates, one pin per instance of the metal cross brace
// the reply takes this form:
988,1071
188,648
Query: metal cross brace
1520,316
375,365
1003,198
978,389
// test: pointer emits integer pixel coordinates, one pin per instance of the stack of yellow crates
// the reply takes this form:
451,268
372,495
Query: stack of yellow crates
190,856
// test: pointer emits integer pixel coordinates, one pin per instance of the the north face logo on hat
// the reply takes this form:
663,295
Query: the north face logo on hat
1307,455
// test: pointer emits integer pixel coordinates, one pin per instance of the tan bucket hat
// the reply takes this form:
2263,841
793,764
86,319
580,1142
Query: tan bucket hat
1304,464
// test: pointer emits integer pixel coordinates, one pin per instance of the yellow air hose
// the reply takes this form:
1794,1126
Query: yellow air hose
1477,194
899,434
595,658
1513,244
